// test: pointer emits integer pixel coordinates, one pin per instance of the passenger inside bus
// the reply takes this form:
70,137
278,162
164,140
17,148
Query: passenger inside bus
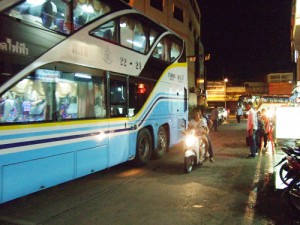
48,14
23,103
40,97
56,14
67,108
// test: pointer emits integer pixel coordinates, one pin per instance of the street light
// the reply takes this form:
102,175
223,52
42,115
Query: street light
225,95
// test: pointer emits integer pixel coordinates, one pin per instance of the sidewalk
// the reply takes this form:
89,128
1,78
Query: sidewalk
268,197
275,155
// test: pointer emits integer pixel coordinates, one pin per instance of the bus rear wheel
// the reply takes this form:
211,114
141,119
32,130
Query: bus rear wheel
143,147
162,143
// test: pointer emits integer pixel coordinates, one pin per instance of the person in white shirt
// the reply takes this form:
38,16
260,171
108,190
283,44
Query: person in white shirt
251,129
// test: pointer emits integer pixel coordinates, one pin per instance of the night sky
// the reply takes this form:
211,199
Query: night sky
247,39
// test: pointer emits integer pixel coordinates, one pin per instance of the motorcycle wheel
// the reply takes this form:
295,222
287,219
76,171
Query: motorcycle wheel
283,174
189,163
294,194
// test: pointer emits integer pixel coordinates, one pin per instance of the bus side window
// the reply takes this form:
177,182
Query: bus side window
133,34
139,91
106,31
25,102
175,51
118,98
168,49
99,106
157,53
108,34
67,98
80,96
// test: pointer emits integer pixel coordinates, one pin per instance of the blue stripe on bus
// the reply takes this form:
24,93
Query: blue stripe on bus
48,140
48,132
43,141
150,109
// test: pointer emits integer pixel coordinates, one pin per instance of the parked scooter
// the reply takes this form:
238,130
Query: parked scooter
293,181
194,148
290,166
290,174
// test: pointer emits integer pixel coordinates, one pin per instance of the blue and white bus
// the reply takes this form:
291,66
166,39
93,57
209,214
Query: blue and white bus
84,85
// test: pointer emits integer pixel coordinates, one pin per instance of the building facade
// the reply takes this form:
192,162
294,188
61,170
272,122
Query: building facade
280,83
182,17
221,94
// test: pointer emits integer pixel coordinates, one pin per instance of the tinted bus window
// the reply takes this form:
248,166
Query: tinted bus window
168,49
107,31
131,31
57,14
139,91
47,94
118,96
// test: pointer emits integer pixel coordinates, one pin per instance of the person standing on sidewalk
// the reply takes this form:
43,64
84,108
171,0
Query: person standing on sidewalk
267,128
251,129
260,129
239,113
214,117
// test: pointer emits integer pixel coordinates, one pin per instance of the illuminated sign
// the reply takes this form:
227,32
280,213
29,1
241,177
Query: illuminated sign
47,75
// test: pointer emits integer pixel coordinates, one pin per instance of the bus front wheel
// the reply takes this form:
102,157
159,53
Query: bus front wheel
143,147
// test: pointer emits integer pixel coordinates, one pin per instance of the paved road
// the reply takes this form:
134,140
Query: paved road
230,191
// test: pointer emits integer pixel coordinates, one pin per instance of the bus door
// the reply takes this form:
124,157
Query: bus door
119,127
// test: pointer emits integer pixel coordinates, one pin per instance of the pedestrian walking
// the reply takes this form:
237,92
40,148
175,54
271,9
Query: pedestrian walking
260,130
239,113
214,117
267,129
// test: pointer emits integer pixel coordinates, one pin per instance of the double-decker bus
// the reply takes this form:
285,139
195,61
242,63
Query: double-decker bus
84,85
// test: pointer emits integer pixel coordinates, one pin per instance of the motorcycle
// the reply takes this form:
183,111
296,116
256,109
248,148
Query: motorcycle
293,178
193,150
290,168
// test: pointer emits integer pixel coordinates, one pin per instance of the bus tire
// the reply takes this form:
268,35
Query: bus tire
143,147
162,143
